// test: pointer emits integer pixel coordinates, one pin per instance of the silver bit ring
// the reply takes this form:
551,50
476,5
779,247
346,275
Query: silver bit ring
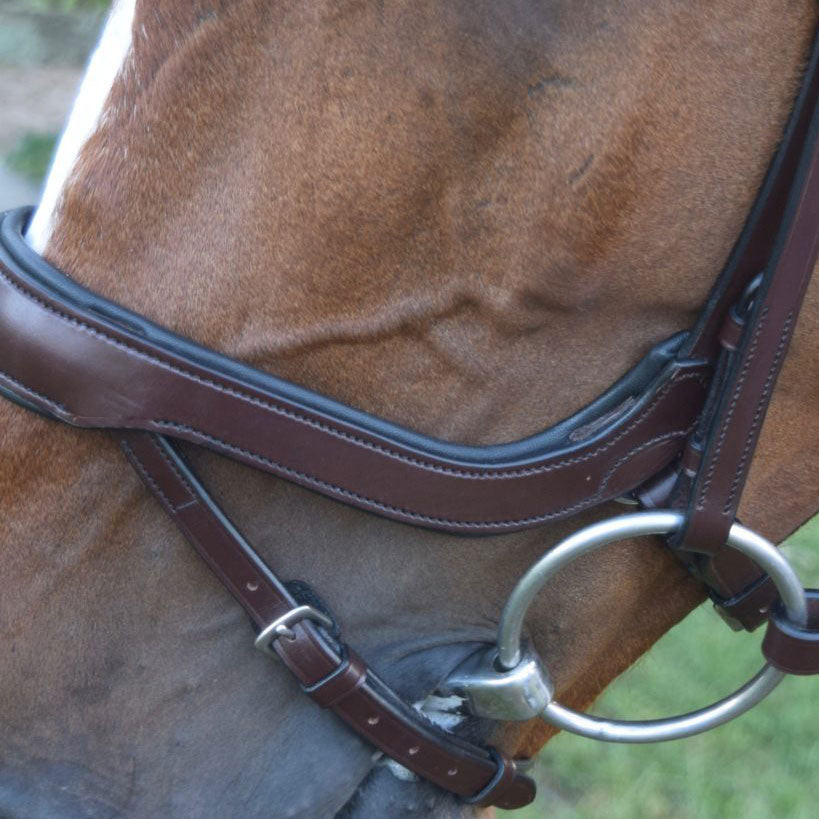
655,522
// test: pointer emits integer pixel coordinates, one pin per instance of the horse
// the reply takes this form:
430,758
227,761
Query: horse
464,217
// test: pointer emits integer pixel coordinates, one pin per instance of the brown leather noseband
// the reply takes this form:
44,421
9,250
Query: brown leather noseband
679,430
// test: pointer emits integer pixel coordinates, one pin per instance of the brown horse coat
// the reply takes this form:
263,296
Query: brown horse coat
467,217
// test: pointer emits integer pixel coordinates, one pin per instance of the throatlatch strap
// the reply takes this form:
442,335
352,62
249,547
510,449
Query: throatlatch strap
329,672
757,310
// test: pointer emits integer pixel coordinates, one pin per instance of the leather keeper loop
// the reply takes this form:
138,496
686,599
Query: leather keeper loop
339,684
750,608
504,776
654,493
730,333
790,648
691,458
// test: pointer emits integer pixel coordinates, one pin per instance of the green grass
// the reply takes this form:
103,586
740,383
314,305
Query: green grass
760,766
68,5
31,156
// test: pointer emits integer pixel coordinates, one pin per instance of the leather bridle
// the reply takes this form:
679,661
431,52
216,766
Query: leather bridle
676,433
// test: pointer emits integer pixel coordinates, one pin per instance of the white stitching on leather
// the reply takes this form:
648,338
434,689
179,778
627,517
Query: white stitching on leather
55,405
307,421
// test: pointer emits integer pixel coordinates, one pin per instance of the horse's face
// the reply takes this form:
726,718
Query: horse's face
467,219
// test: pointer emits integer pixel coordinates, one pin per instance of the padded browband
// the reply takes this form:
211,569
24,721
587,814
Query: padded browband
87,361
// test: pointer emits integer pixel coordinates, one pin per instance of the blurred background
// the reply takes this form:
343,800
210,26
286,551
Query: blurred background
764,765
43,47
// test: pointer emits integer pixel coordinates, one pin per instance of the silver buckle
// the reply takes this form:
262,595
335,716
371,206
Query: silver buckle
282,627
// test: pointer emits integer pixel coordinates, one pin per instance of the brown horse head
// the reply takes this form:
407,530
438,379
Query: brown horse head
469,218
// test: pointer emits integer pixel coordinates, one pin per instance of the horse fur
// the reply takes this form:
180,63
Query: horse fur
464,216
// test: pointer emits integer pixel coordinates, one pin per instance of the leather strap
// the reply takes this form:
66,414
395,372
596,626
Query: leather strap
92,364
792,649
754,310
329,672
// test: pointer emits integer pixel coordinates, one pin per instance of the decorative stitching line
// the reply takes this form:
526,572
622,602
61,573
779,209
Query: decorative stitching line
146,476
173,467
172,510
307,421
44,398
712,465
761,406
363,500
667,436
339,491
472,754
497,474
